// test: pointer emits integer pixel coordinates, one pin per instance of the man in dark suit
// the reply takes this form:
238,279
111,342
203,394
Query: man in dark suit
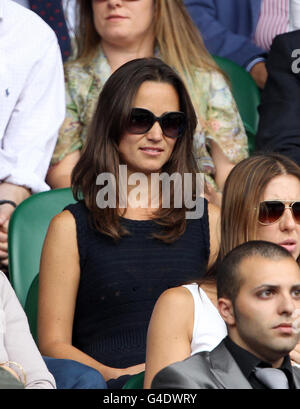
279,125
258,287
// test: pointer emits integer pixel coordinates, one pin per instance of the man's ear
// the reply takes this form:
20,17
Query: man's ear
226,311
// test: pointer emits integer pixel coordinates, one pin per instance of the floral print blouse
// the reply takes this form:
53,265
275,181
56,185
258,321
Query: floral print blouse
220,120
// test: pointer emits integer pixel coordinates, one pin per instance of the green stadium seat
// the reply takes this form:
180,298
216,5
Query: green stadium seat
27,230
246,95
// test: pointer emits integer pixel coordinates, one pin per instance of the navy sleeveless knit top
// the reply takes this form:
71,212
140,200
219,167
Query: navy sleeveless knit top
120,283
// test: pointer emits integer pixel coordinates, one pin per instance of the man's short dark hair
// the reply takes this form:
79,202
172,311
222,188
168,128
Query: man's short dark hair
228,275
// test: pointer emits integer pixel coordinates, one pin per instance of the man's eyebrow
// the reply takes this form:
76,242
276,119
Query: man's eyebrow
274,286
266,285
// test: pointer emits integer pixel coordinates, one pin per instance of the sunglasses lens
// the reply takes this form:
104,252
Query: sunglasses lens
296,211
270,212
173,124
140,121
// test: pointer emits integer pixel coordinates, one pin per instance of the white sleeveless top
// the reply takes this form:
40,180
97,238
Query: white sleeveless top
209,327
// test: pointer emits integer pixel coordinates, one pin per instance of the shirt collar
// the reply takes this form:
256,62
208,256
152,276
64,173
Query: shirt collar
247,361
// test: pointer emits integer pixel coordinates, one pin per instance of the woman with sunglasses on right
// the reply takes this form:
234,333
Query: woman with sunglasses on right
256,201
261,201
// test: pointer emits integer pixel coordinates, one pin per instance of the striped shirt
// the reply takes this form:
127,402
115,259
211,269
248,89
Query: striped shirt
273,20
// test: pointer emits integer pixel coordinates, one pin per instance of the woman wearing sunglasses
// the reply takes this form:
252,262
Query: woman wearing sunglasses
261,201
104,266
112,32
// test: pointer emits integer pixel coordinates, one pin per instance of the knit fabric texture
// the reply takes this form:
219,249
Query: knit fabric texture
120,283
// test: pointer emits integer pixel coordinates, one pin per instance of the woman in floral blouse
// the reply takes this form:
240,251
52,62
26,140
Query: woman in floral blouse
112,32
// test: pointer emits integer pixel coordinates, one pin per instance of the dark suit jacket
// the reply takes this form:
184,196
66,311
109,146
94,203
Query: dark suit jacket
227,27
207,370
279,125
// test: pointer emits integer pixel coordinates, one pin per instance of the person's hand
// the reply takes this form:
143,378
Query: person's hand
295,355
6,211
15,194
259,74
131,370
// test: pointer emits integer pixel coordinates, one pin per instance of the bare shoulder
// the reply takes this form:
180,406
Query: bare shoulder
170,331
63,221
173,314
64,217
62,231
60,249
176,298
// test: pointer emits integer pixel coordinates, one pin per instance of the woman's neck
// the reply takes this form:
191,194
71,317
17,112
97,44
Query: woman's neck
118,55
142,199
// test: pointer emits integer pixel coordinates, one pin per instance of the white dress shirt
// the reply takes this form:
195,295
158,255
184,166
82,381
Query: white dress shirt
17,346
32,96
294,15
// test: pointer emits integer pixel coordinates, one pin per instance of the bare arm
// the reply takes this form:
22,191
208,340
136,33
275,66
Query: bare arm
170,331
260,74
214,232
59,175
222,164
58,286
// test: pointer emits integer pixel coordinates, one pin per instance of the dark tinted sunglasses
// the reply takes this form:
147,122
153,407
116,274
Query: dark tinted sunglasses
141,120
271,211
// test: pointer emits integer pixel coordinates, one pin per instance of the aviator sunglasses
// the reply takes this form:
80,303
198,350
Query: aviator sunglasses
141,120
271,211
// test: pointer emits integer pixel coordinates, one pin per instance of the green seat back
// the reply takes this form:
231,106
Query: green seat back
31,306
27,230
246,95
135,382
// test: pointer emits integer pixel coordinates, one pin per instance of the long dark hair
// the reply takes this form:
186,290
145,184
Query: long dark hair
101,154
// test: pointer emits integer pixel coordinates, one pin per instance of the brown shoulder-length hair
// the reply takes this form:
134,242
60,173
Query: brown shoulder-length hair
101,153
243,190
